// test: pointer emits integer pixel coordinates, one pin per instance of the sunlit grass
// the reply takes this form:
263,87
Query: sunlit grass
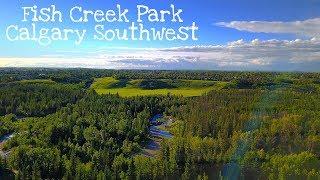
187,88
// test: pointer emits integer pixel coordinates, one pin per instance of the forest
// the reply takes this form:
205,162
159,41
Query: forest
259,125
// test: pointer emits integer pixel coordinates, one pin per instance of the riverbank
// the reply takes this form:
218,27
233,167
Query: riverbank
3,140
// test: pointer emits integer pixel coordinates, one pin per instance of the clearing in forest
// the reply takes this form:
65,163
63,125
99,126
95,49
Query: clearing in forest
149,87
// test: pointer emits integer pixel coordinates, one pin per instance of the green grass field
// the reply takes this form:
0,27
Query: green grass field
128,88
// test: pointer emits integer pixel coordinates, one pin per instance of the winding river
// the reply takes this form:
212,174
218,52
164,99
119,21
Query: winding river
157,133
155,129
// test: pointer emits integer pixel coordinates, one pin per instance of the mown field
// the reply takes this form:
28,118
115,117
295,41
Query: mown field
148,87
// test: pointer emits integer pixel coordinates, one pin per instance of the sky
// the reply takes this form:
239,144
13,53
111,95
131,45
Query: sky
262,35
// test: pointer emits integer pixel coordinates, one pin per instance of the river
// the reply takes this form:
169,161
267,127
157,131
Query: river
157,133
4,139
155,128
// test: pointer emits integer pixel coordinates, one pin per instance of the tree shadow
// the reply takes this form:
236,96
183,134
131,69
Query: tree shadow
120,84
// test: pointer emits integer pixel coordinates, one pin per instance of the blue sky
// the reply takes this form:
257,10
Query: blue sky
279,35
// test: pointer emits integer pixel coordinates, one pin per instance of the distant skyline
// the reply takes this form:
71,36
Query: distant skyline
265,35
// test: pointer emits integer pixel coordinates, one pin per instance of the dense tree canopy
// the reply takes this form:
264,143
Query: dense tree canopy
260,125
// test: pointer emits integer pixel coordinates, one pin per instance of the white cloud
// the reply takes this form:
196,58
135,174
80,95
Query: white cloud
253,55
307,28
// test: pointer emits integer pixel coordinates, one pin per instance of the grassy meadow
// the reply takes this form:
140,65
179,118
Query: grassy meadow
143,87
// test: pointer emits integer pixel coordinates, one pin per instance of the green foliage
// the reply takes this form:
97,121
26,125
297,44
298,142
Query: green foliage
7,124
36,162
298,166
265,124
36,99
98,135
